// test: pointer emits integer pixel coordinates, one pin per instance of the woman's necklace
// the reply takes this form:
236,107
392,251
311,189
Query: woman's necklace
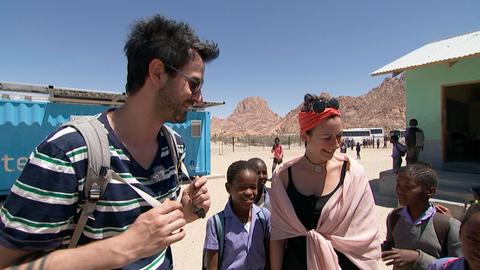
317,167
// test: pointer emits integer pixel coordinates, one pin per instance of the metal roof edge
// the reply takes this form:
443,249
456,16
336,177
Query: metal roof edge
46,88
454,36
207,104
398,70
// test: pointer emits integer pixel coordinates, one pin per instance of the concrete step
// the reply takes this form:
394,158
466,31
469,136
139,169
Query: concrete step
462,167
453,189
451,186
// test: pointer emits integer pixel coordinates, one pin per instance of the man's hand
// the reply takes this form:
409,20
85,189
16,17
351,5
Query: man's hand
399,257
195,195
154,231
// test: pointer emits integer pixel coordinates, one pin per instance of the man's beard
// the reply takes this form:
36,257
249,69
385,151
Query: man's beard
165,105
180,116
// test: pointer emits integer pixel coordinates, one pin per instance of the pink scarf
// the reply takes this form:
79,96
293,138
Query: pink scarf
347,223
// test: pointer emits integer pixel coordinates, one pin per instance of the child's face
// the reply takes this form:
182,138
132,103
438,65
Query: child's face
243,189
411,192
262,174
470,239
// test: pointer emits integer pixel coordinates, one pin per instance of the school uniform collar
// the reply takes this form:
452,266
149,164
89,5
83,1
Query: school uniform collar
228,212
430,212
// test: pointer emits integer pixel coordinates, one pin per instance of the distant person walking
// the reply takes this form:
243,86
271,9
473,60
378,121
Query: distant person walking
414,138
343,148
277,151
378,143
357,148
398,151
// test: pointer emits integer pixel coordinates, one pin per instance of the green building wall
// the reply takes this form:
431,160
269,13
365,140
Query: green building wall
423,91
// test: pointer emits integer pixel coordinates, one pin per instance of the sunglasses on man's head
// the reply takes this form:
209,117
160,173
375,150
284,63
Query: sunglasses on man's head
319,106
194,84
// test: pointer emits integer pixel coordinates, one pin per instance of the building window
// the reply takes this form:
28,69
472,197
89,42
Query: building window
196,127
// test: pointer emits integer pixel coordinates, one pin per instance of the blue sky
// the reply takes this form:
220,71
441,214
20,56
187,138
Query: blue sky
278,50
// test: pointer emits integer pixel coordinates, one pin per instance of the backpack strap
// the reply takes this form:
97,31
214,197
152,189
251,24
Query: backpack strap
392,221
441,225
263,220
172,147
98,170
219,221
178,162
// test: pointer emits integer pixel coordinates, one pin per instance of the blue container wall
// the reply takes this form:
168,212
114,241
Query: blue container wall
197,158
23,125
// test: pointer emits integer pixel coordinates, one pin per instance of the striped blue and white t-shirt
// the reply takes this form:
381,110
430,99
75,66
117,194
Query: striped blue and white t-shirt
42,208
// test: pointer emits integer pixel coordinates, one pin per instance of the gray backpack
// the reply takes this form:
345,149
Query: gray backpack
98,170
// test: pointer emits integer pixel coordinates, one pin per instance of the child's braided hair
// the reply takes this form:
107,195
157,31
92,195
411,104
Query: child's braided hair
421,171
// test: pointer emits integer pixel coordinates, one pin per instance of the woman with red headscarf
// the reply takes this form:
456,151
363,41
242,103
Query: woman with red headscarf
323,214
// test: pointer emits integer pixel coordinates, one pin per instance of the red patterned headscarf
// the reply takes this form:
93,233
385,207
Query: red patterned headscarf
309,120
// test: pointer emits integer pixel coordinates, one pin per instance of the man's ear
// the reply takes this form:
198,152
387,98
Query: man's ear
156,72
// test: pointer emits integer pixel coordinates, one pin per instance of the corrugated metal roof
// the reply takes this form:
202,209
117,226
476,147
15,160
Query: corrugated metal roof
16,113
447,50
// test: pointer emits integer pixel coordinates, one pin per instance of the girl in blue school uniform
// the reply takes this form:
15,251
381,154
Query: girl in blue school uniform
238,237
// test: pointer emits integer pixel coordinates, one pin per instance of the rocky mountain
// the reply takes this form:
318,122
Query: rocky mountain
383,106
252,116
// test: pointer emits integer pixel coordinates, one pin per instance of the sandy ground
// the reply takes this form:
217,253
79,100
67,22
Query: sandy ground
188,252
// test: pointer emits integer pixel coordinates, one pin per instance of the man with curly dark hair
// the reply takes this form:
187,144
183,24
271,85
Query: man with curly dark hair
166,63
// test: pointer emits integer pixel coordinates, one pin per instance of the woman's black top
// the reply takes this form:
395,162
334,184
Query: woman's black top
308,210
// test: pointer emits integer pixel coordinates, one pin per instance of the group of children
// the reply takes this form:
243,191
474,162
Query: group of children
420,235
